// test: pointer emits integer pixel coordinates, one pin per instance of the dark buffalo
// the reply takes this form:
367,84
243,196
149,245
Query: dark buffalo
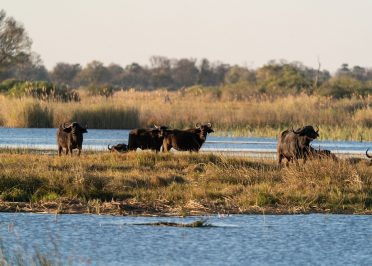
70,137
295,144
122,147
146,138
186,140
320,154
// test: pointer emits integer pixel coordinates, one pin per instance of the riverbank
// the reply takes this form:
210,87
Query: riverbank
146,183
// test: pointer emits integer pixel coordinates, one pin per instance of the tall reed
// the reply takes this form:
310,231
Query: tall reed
254,115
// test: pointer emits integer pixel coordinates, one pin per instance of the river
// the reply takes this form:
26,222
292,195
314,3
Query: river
98,139
315,239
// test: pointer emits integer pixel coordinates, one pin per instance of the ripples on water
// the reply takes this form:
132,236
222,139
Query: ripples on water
234,240
98,139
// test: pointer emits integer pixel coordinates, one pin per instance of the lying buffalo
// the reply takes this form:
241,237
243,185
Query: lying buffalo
146,138
186,140
295,144
118,148
70,137
321,154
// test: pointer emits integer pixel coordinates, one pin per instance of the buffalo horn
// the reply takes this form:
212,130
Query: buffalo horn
368,156
197,125
64,127
108,147
298,131
209,125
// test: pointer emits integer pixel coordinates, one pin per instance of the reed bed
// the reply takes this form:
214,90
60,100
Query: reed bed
348,119
180,184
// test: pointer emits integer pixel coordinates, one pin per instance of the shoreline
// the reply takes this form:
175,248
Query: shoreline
113,208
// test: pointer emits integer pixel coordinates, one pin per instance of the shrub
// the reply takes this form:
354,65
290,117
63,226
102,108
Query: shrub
43,90
100,91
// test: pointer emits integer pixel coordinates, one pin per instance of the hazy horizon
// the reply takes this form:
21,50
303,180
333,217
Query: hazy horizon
248,33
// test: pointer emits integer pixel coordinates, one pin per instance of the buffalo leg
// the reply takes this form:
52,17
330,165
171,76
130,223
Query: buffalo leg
166,148
79,152
59,150
280,158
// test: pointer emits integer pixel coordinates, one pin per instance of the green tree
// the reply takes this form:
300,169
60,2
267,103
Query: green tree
341,86
185,73
64,73
238,74
15,45
282,78
94,74
161,75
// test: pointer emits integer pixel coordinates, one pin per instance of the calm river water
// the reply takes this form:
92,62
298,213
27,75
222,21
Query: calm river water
234,240
98,139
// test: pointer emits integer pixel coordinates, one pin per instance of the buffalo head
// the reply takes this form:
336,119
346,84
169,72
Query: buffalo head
207,128
308,132
74,127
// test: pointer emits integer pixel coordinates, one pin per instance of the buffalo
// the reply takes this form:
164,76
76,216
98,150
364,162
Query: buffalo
122,147
320,154
146,138
186,140
295,144
70,137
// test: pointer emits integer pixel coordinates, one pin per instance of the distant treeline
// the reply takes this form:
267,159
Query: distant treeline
19,63
274,78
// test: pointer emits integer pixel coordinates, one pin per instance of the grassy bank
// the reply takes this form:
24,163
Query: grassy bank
180,184
347,119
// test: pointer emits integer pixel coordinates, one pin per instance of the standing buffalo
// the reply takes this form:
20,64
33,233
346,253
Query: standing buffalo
146,138
186,140
70,137
118,148
295,144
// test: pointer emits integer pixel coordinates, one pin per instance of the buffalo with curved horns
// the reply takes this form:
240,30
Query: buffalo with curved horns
186,140
295,144
70,137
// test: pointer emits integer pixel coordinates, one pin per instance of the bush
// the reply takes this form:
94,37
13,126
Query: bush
341,87
100,91
44,91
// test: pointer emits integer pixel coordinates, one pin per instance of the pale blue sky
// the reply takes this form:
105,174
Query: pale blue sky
249,32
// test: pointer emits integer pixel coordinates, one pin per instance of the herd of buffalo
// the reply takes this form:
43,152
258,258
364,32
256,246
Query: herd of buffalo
292,144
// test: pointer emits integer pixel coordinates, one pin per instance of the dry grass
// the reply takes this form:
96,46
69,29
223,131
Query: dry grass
182,184
259,116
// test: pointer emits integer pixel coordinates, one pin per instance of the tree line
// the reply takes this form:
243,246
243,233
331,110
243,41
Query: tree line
18,62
